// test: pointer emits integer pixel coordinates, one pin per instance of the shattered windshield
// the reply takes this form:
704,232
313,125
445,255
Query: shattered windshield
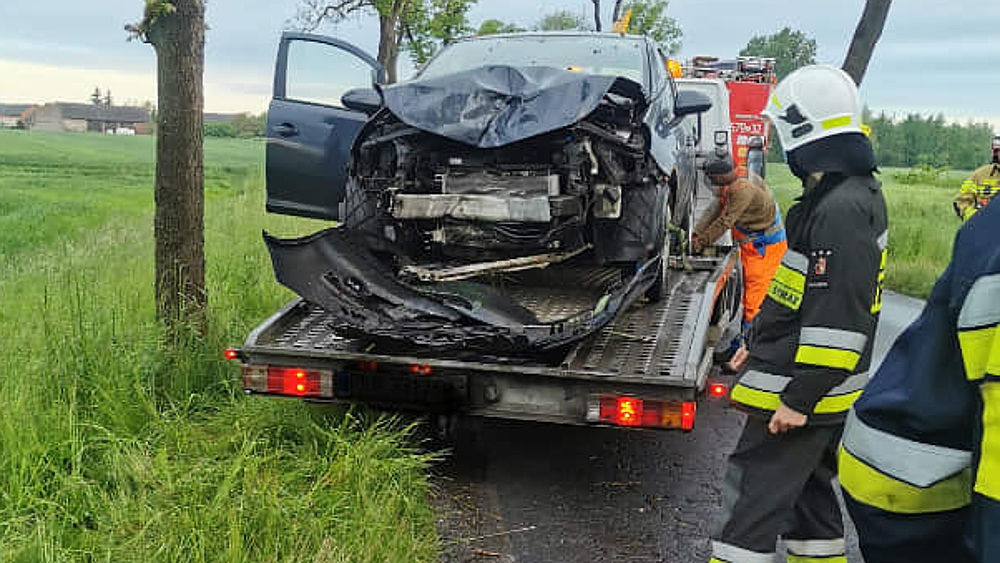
591,54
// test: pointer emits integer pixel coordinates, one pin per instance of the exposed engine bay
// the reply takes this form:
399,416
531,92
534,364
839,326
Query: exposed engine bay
456,185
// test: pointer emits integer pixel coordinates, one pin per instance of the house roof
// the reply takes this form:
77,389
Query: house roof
13,110
90,112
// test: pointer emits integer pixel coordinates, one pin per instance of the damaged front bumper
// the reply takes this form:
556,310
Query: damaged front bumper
366,299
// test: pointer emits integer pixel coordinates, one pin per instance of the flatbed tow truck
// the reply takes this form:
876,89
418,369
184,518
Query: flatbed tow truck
648,368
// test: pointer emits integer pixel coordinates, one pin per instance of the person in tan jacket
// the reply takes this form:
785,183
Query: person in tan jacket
747,208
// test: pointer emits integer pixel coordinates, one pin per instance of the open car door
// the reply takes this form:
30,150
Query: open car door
309,130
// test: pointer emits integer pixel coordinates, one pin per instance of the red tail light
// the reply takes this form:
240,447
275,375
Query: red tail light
633,411
418,369
717,389
687,415
231,354
293,381
628,412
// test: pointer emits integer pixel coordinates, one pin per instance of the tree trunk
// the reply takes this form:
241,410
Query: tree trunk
597,14
866,35
617,13
179,40
388,46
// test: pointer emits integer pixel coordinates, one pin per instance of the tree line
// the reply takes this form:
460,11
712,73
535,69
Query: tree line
917,140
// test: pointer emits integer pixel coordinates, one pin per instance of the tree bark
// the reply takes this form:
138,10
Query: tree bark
179,40
597,14
388,48
866,35
616,14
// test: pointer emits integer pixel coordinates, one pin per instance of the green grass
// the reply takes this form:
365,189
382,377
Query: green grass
116,448
922,226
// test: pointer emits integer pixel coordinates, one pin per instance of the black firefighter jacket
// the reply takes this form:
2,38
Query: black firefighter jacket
812,341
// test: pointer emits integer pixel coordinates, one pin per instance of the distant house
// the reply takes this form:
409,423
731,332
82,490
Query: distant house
63,116
11,114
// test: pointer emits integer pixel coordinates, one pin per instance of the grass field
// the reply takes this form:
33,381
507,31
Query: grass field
113,448
922,226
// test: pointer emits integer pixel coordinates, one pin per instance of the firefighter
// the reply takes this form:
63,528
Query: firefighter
812,340
979,188
748,209
920,461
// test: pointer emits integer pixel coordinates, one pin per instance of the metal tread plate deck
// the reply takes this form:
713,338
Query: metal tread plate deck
649,342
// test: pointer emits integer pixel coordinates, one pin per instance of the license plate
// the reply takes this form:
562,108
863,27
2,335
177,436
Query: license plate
411,389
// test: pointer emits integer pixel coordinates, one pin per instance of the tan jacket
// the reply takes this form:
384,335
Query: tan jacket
743,203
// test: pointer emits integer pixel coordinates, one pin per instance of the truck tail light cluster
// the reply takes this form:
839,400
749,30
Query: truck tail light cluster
290,382
624,410
293,381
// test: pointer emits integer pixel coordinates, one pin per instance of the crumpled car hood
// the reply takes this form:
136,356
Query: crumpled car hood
333,269
492,106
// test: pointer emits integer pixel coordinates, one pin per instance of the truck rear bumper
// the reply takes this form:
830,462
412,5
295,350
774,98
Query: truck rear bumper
657,356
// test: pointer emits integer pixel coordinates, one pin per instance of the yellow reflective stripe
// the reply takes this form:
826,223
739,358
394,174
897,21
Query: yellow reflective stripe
976,347
770,401
877,489
880,283
834,122
827,357
988,474
836,403
787,287
792,558
776,102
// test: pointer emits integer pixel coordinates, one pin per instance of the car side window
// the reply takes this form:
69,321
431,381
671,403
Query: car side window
657,75
319,73
665,64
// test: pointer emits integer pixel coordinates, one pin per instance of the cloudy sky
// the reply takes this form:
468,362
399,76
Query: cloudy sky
935,56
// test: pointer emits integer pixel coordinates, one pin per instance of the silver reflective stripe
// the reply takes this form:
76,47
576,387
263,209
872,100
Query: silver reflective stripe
982,303
853,383
883,240
795,261
916,463
816,548
733,554
832,338
764,381
777,383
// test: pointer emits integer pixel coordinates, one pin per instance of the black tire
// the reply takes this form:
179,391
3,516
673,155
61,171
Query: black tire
661,285
359,209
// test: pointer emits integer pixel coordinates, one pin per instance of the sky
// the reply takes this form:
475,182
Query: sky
934,56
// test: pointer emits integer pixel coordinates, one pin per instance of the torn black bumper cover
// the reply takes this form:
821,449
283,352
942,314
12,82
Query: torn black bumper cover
333,269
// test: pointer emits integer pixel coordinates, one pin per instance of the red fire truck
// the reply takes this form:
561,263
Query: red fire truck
749,81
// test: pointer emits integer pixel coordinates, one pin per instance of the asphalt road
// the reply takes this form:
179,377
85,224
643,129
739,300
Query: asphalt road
519,492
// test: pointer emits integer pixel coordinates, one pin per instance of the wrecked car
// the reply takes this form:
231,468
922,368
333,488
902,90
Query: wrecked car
509,162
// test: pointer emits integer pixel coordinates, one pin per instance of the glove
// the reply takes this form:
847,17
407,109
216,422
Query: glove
696,245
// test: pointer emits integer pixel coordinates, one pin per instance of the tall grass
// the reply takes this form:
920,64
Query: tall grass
114,447
922,225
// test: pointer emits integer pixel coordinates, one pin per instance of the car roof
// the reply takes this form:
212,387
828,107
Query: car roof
572,33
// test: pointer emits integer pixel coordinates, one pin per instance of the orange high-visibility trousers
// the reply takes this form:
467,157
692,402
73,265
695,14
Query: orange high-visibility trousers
757,273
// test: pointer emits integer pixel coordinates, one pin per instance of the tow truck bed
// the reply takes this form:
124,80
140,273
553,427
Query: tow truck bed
659,352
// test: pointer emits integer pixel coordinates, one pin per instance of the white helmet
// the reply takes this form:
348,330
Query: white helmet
812,103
